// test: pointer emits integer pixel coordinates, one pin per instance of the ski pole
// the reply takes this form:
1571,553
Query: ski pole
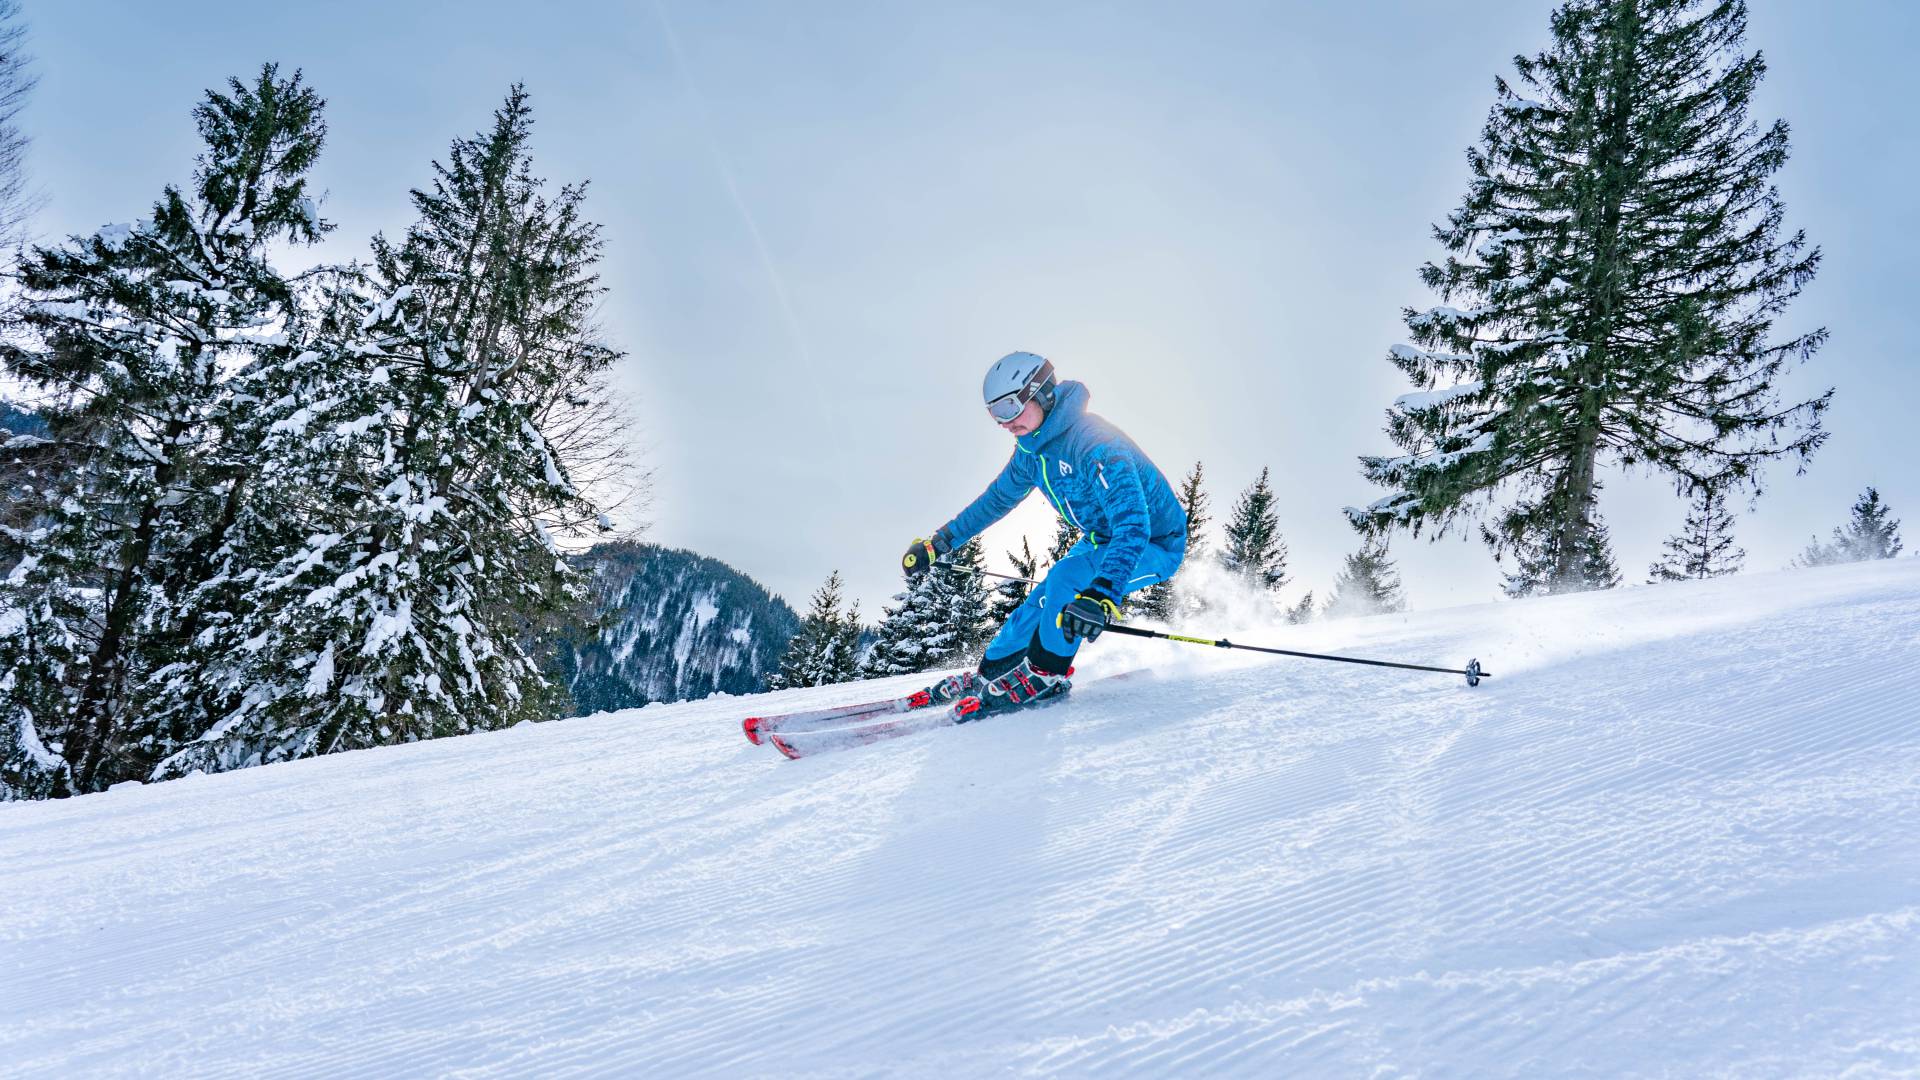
1471,671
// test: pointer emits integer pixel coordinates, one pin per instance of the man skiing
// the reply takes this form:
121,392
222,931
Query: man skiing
1133,533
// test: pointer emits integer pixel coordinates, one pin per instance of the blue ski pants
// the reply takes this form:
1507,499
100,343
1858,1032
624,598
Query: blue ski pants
1035,620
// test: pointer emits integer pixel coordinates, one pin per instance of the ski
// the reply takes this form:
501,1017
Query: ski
799,744
758,727
827,739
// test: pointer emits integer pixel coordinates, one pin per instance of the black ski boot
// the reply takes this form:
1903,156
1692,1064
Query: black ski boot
949,690
1023,686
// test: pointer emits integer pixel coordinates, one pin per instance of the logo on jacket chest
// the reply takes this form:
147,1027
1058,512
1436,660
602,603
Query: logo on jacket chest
1099,473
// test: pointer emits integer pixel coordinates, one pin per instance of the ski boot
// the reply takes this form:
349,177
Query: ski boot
948,690
1023,686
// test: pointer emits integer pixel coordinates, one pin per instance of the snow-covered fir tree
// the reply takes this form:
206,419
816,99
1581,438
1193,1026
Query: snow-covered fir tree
143,332
1367,585
411,453
1704,547
827,648
1253,547
972,606
1161,601
1609,291
1871,532
939,622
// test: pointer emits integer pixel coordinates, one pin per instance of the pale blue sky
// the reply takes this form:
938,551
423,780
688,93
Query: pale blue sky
824,220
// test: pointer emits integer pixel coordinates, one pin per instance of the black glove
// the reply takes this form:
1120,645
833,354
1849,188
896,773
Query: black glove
921,554
1089,614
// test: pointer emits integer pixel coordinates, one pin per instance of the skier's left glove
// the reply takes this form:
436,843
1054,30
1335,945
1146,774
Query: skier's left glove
1090,613
921,554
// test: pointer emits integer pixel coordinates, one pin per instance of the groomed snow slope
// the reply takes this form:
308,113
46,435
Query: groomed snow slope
1677,834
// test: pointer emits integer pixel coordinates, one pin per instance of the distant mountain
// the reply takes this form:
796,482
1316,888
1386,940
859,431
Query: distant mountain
17,421
674,626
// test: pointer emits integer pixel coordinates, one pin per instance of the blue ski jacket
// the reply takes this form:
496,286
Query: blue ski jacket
1096,478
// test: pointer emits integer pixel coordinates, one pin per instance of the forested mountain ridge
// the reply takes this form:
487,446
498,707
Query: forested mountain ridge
670,625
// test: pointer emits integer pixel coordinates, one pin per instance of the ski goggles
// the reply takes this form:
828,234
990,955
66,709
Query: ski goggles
1008,407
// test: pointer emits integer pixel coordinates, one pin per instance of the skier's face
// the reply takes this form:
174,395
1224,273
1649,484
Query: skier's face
1028,420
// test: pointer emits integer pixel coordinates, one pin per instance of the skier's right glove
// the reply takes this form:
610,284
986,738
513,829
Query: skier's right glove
921,554
1091,612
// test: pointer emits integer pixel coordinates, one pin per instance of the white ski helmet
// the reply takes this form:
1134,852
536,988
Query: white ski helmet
1014,380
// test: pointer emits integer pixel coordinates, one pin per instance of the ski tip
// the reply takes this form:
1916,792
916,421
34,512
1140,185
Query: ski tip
751,725
782,745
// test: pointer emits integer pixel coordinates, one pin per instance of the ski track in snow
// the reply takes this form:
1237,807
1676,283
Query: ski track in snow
1677,833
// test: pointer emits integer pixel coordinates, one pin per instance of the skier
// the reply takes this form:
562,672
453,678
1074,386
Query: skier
1133,533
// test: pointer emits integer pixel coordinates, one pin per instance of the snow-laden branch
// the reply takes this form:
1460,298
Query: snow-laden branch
1444,314
1431,399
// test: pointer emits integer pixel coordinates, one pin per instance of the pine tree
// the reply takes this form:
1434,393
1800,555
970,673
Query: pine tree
842,663
1161,600
142,329
1704,548
1193,500
411,448
1367,585
1871,533
1620,261
826,650
1254,549
939,622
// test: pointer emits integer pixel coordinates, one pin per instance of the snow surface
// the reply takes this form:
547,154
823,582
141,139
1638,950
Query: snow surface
704,610
1677,834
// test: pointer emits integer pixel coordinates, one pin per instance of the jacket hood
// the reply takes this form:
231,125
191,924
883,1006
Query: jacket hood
1069,405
